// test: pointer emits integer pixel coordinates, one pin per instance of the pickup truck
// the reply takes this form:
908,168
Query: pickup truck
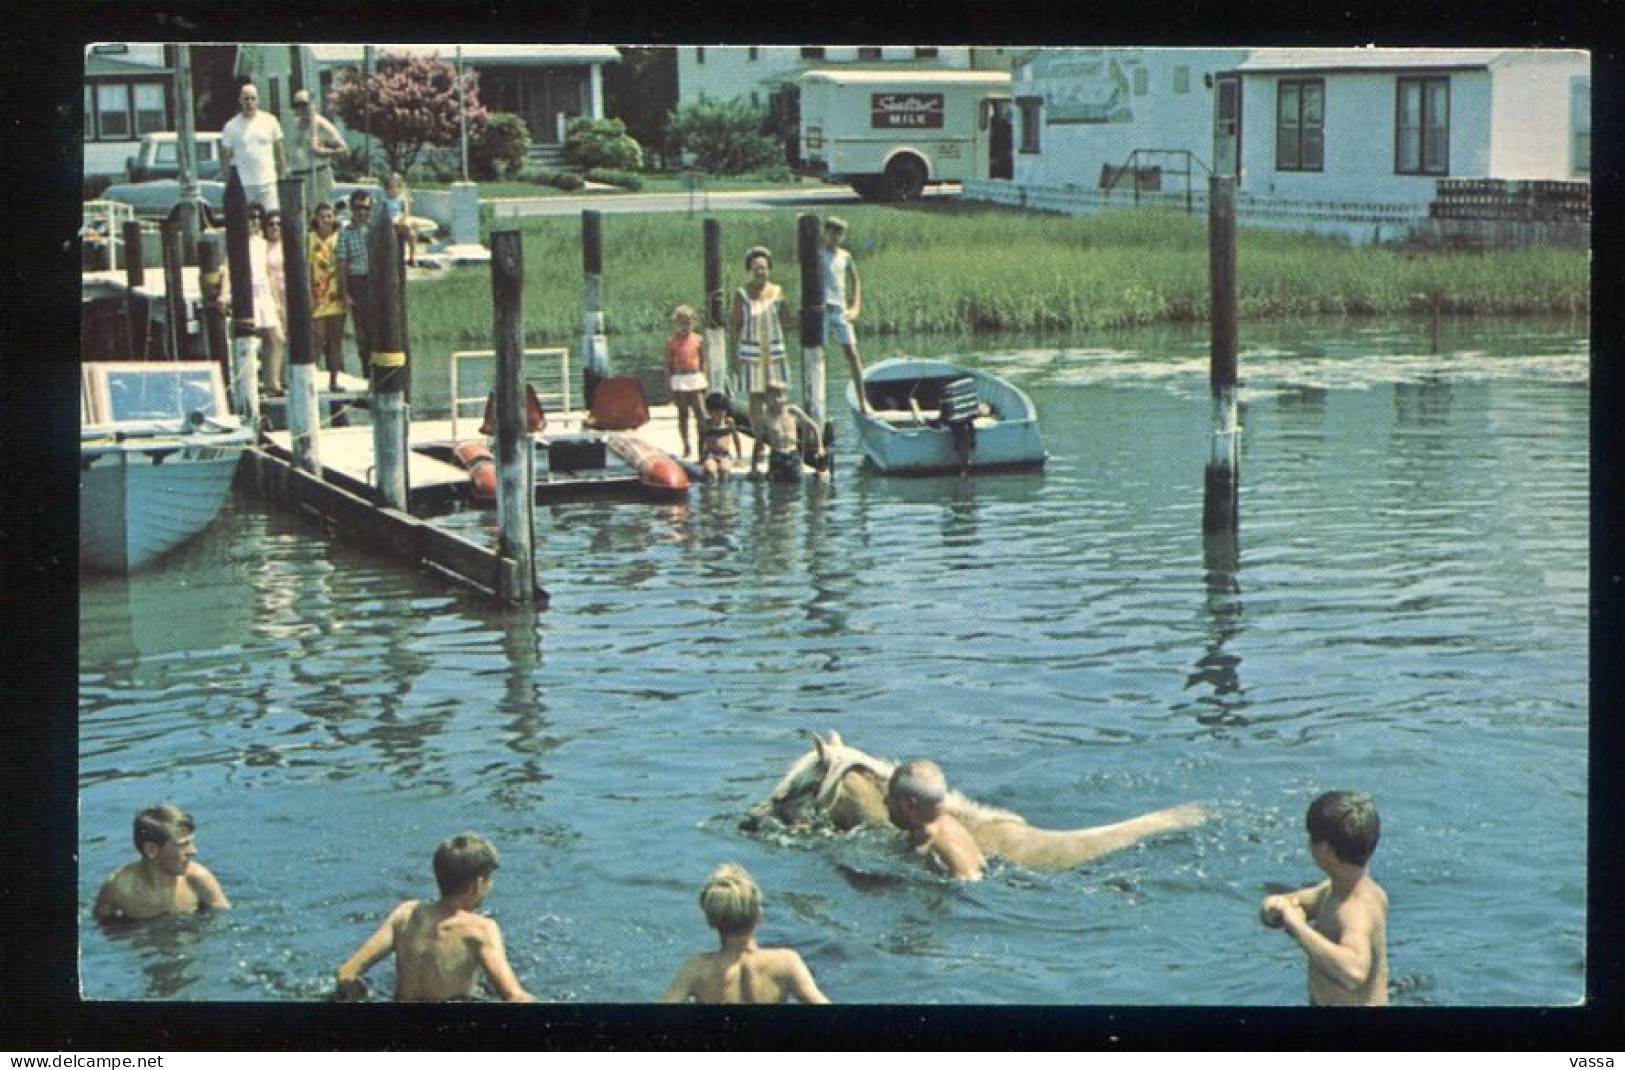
157,157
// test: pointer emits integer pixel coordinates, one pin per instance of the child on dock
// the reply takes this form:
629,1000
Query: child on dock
789,433
741,972
165,880
399,202
685,363
1341,923
915,795
718,432
441,947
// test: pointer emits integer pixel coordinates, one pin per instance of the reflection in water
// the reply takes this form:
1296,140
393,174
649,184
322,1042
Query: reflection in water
526,707
1423,403
165,947
1218,669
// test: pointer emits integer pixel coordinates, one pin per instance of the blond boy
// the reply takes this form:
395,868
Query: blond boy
741,972
165,880
915,795
1341,923
442,947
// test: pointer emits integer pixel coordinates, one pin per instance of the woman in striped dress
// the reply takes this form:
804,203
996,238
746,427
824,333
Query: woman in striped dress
760,321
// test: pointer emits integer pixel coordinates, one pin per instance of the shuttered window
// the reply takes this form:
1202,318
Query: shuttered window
1422,127
1580,124
1300,126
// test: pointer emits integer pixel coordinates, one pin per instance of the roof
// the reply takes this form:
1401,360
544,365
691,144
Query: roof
479,55
1267,60
112,58
934,75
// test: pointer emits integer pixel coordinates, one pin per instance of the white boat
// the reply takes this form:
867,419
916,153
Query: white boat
930,416
158,447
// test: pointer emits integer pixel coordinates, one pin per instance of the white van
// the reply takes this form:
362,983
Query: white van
890,133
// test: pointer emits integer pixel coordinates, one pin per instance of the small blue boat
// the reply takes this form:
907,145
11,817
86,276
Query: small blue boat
930,416
158,448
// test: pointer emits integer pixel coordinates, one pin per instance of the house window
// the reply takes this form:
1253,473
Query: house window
1422,127
699,54
1182,79
90,114
1580,125
1030,110
1300,126
149,109
812,53
113,113
868,55
927,53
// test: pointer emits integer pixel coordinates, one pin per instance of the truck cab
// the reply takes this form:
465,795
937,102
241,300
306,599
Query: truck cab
889,134
158,156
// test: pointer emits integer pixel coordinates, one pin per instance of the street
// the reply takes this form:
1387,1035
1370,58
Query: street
698,201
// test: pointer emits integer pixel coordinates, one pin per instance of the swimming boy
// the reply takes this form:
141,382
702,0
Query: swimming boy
786,427
915,795
441,947
741,972
840,306
165,880
1341,923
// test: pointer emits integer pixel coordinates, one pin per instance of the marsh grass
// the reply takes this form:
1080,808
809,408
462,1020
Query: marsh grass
958,268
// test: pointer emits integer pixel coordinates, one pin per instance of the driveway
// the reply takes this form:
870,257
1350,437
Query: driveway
699,201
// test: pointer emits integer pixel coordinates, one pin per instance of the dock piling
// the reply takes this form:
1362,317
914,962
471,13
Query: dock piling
809,235
245,344
214,320
516,514
1219,500
304,420
594,345
389,366
135,276
174,291
716,334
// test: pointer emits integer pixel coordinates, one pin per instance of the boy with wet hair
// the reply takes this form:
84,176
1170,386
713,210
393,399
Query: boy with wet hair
165,880
1341,923
791,435
915,795
741,972
441,947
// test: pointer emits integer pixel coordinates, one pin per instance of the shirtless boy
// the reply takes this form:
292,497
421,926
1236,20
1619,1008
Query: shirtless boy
914,802
165,880
441,947
740,972
1341,923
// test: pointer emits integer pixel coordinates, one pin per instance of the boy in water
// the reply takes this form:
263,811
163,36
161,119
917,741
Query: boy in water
914,801
1341,923
441,947
740,972
788,429
165,880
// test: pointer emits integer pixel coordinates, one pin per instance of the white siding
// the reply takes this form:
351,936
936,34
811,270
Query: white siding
1100,84
1533,115
728,71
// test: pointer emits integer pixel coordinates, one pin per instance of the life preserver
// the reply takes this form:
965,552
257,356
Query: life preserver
482,468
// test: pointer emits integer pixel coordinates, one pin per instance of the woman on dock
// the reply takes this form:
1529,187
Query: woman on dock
327,308
760,322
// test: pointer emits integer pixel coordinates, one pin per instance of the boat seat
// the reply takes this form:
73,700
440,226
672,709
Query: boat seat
899,417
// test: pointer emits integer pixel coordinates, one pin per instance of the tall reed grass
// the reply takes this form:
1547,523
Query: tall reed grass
962,267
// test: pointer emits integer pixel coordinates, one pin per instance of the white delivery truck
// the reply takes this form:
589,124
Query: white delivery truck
889,133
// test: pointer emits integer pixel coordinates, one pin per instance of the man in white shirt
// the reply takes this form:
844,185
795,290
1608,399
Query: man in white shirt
252,142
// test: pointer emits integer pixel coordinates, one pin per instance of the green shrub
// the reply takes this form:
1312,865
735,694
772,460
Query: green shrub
498,149
612,177
592,143
565,180
722,137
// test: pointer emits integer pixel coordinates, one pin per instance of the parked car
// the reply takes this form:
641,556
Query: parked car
156,199
158,157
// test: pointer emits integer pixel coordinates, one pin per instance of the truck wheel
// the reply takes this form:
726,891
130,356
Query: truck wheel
905,178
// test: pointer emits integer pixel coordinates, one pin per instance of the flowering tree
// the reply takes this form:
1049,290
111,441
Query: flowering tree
410,103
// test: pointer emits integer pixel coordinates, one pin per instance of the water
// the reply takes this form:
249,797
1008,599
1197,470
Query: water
1405,613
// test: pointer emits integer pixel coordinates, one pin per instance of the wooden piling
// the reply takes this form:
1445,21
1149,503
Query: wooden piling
174,291
389,365
304,420
809,236
209,303
716,331
594,345
135,276
245,345
516,541
1221,483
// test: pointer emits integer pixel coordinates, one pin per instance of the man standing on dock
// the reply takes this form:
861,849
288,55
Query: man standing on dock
315,142
252,142
355,275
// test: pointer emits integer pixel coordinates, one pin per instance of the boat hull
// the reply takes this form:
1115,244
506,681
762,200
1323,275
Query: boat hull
904,441
140,499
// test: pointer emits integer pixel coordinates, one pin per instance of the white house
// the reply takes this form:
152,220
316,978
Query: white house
127,89
1351,140
754,72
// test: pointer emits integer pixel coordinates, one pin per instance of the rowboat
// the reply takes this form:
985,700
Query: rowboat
931,416
158,448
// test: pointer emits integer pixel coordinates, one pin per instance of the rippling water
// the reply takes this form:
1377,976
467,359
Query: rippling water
1404,612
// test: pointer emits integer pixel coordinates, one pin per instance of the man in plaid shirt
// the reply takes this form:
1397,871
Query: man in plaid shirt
355,284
